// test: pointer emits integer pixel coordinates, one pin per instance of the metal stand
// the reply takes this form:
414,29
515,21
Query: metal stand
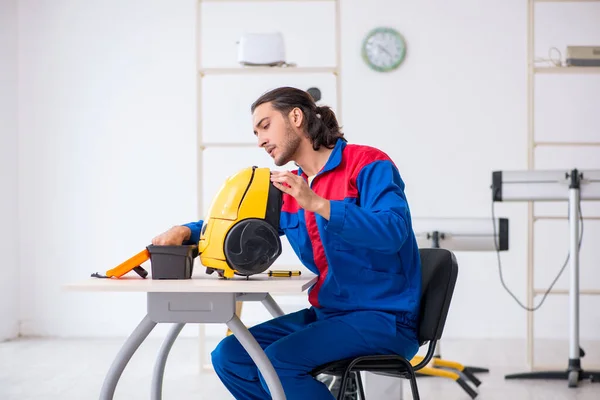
130,346
574,373
272,306
181,308
258,356
161,361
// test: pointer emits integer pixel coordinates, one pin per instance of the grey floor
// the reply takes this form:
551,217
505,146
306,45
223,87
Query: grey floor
73,369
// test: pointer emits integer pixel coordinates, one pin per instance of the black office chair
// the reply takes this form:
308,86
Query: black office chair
439,273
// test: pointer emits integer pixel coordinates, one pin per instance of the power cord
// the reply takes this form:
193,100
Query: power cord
557,276
557,62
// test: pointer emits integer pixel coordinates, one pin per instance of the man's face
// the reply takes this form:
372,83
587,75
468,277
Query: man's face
275,133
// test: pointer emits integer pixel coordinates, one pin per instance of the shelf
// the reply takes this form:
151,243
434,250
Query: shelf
566,1
534,68
227,145
567,70
565,291
569,144
267,70
250,73
562,218
267,1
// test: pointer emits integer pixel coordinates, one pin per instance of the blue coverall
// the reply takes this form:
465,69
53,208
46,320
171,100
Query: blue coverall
366,299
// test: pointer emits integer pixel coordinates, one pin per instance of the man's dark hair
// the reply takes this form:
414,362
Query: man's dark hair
320,121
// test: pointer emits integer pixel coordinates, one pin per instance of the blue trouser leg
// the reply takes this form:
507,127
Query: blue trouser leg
299,342
234,366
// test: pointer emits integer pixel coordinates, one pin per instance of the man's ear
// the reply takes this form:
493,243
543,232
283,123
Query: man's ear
297,117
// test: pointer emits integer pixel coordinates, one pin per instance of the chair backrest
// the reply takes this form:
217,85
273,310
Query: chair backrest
439,272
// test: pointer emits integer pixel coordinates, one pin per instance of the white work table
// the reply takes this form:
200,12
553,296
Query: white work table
201,283
202,299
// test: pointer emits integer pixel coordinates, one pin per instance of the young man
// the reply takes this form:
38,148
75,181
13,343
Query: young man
347,218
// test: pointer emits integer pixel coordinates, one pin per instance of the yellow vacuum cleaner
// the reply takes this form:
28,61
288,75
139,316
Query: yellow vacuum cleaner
239,236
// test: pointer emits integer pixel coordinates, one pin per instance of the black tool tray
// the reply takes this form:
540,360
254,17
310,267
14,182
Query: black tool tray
172,262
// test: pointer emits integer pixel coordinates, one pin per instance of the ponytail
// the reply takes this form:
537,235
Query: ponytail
324,130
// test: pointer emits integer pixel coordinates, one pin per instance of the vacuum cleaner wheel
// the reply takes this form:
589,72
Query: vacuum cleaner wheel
251,246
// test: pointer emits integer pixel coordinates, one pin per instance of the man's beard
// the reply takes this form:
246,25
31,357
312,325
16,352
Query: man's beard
288,149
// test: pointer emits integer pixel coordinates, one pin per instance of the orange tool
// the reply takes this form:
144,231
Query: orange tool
131,264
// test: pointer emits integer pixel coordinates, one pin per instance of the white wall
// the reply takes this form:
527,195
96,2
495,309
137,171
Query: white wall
9,227
117,79
107,150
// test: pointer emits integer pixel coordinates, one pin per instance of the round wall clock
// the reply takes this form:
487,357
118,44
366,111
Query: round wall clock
384,49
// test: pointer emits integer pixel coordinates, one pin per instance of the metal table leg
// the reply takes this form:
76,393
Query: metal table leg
272,306
161,361
213,308
258,356
130,346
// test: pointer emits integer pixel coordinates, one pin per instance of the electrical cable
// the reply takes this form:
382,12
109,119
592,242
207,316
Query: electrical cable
557,62
557,276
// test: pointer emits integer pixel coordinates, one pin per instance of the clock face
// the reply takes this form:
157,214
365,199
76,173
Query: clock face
384,49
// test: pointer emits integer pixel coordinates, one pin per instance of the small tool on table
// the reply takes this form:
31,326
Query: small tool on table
282,273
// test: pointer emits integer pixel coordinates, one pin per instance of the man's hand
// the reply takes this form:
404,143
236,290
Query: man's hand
296,186
173,237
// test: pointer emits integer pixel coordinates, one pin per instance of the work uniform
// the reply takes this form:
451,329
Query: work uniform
366,298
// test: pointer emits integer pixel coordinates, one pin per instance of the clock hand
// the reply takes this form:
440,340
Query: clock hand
384,50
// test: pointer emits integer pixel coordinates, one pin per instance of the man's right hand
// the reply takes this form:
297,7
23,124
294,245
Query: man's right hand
173,237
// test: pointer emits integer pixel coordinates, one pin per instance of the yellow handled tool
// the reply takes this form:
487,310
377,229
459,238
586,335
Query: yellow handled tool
281,273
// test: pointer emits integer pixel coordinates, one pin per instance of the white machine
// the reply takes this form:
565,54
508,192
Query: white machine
556,185
462,234
261,49
545,185
583,56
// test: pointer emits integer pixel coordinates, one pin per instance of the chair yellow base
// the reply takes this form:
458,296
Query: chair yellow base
439,367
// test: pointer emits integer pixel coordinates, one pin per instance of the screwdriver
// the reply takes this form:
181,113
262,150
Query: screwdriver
282,273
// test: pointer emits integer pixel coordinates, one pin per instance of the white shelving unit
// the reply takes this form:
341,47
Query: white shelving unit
267,70
567,70
533,70
251,72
